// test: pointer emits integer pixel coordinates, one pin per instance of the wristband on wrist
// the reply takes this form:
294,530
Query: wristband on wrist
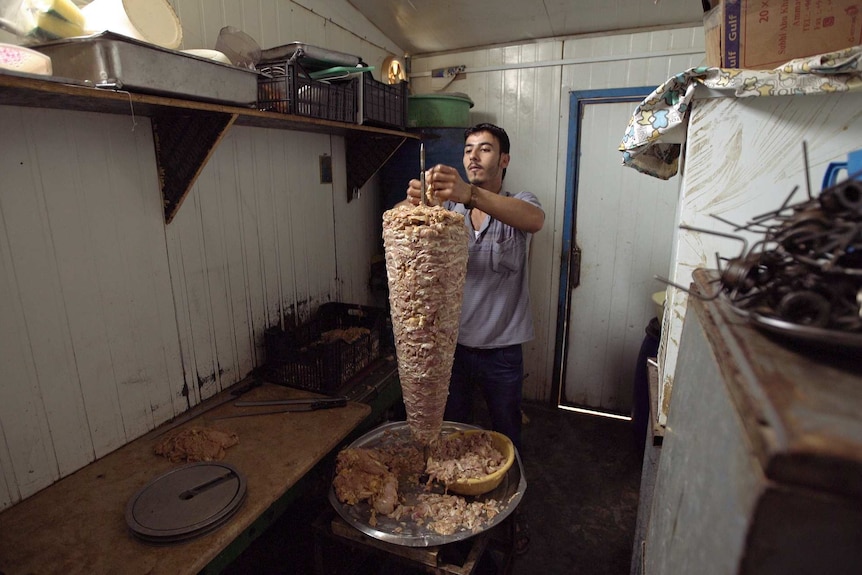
471,203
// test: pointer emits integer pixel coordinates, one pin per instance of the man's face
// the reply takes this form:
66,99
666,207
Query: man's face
483,160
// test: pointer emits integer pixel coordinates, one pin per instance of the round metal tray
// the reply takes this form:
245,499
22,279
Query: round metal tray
406,532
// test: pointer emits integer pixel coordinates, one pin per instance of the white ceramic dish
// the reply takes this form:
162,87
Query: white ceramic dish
209,55
152,21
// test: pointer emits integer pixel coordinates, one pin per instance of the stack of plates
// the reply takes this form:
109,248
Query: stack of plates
186,502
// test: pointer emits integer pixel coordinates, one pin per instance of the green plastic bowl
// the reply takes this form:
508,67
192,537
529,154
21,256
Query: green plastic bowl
439,110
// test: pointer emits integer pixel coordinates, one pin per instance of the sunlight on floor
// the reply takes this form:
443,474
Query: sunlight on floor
594,412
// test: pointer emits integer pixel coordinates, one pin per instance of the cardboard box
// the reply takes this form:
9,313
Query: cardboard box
763,34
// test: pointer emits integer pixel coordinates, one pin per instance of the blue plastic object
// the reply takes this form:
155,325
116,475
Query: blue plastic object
853,167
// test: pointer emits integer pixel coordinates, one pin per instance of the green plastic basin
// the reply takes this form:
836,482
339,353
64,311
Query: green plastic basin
439,110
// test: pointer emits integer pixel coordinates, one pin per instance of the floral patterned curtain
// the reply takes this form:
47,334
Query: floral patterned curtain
653,140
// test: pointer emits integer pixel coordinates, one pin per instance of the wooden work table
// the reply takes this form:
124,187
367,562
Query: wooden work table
78,524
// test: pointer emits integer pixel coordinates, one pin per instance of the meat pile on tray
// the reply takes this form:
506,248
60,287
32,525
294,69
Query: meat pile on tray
389,478
426,265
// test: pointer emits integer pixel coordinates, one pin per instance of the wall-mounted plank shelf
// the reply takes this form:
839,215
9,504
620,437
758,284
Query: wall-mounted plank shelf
196,128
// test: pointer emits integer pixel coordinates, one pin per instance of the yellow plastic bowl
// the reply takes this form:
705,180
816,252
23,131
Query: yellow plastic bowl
480,485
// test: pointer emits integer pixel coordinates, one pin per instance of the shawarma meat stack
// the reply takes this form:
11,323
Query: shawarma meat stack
426,265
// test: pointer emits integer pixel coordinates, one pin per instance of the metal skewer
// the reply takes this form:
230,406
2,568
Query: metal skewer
422,173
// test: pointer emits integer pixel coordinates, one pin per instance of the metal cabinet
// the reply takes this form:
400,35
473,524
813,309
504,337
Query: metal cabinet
761,463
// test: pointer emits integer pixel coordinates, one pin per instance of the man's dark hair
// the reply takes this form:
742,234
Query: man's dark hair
496,131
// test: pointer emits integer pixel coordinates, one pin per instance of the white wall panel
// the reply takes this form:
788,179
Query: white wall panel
89,339
29,461
253,240
358,234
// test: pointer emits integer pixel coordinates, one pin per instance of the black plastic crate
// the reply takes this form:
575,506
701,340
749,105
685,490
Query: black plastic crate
314,356
383,105
285,87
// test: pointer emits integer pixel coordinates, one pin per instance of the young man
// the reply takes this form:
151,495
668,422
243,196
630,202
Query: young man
495,315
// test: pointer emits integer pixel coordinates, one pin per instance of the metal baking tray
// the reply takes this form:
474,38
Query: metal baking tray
110,60
312,58
408,533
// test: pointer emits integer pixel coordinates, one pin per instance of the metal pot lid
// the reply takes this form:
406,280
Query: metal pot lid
186,502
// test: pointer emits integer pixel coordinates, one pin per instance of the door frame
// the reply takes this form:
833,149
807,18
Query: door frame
578,100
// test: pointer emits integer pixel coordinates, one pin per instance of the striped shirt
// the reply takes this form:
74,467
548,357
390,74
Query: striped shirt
495,311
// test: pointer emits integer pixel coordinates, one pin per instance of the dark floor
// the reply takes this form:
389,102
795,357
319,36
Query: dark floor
582,472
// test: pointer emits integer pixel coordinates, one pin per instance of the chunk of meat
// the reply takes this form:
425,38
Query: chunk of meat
196,444
361,476
463,456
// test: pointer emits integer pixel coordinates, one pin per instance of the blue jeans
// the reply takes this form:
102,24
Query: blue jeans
499,374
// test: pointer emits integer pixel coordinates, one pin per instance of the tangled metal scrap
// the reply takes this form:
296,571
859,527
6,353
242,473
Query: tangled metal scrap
805,271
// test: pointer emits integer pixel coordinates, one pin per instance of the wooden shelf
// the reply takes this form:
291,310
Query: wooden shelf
198,127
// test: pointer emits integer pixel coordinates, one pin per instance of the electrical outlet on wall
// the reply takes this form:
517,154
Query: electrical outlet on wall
325,169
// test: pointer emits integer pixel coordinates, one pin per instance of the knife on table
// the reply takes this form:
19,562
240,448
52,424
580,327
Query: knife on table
288,406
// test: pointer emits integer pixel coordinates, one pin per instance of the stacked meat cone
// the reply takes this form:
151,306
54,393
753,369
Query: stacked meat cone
426,265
